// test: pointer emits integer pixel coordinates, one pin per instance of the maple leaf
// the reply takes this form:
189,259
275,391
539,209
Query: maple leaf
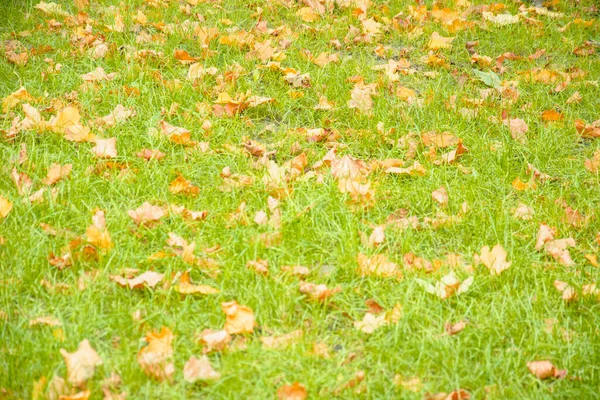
183,186
523,212
295,391
307,14
568,291
377,237
148,278
48,321
437,42
414,170
119,114
81,364
105,148
589,131
318,292
500,19
360,98
176,134
453,329
240,319
199,370
545,369
259,266
518,128
214,340
494,260
280,342
378,265
447,286
15,98
439,140
187,287
5,207
150,154
56,172
97,234
370,323
155,359
440,196
98,75
146,214
593,164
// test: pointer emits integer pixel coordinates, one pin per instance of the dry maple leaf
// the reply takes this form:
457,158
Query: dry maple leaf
440,196
183,186
146,214
148,278
589,131
155,359
378,265
437,42
279,342
119,114
48,321
495,260
187,287
240,319
105,148
318,292
360,97
414,170
500,19
447,286
545,234
98,75
568,291
593,164
518,128
97,234
176,134
439,140
558,249
5,207
545,370
199,370
523,212
151,154
56,172
370,323
295,391
453,329
259,266
214,340
81,364
377,237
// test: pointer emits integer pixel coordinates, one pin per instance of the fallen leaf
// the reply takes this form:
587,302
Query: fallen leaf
437,42
5,207
545,370
240,319
146,214
495,260
214,340
183,186
453,329
81,364
155,358
148,278
377,265
295,391
279,342
48,321
105,148
187,287
370,323
318,292
440,196
199,370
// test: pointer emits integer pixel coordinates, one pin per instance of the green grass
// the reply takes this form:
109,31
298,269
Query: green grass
506,314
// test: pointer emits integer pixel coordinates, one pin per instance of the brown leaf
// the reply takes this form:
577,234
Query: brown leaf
148,278
199,370
295,391
370,323
240,319
105,148
453,329
183,186
377,265
146,214
214,340
81,364
440,196
187,287
5,207
155,359
545,370
318,292
495,260
56,172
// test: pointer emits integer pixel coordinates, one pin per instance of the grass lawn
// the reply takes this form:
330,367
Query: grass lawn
299,199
